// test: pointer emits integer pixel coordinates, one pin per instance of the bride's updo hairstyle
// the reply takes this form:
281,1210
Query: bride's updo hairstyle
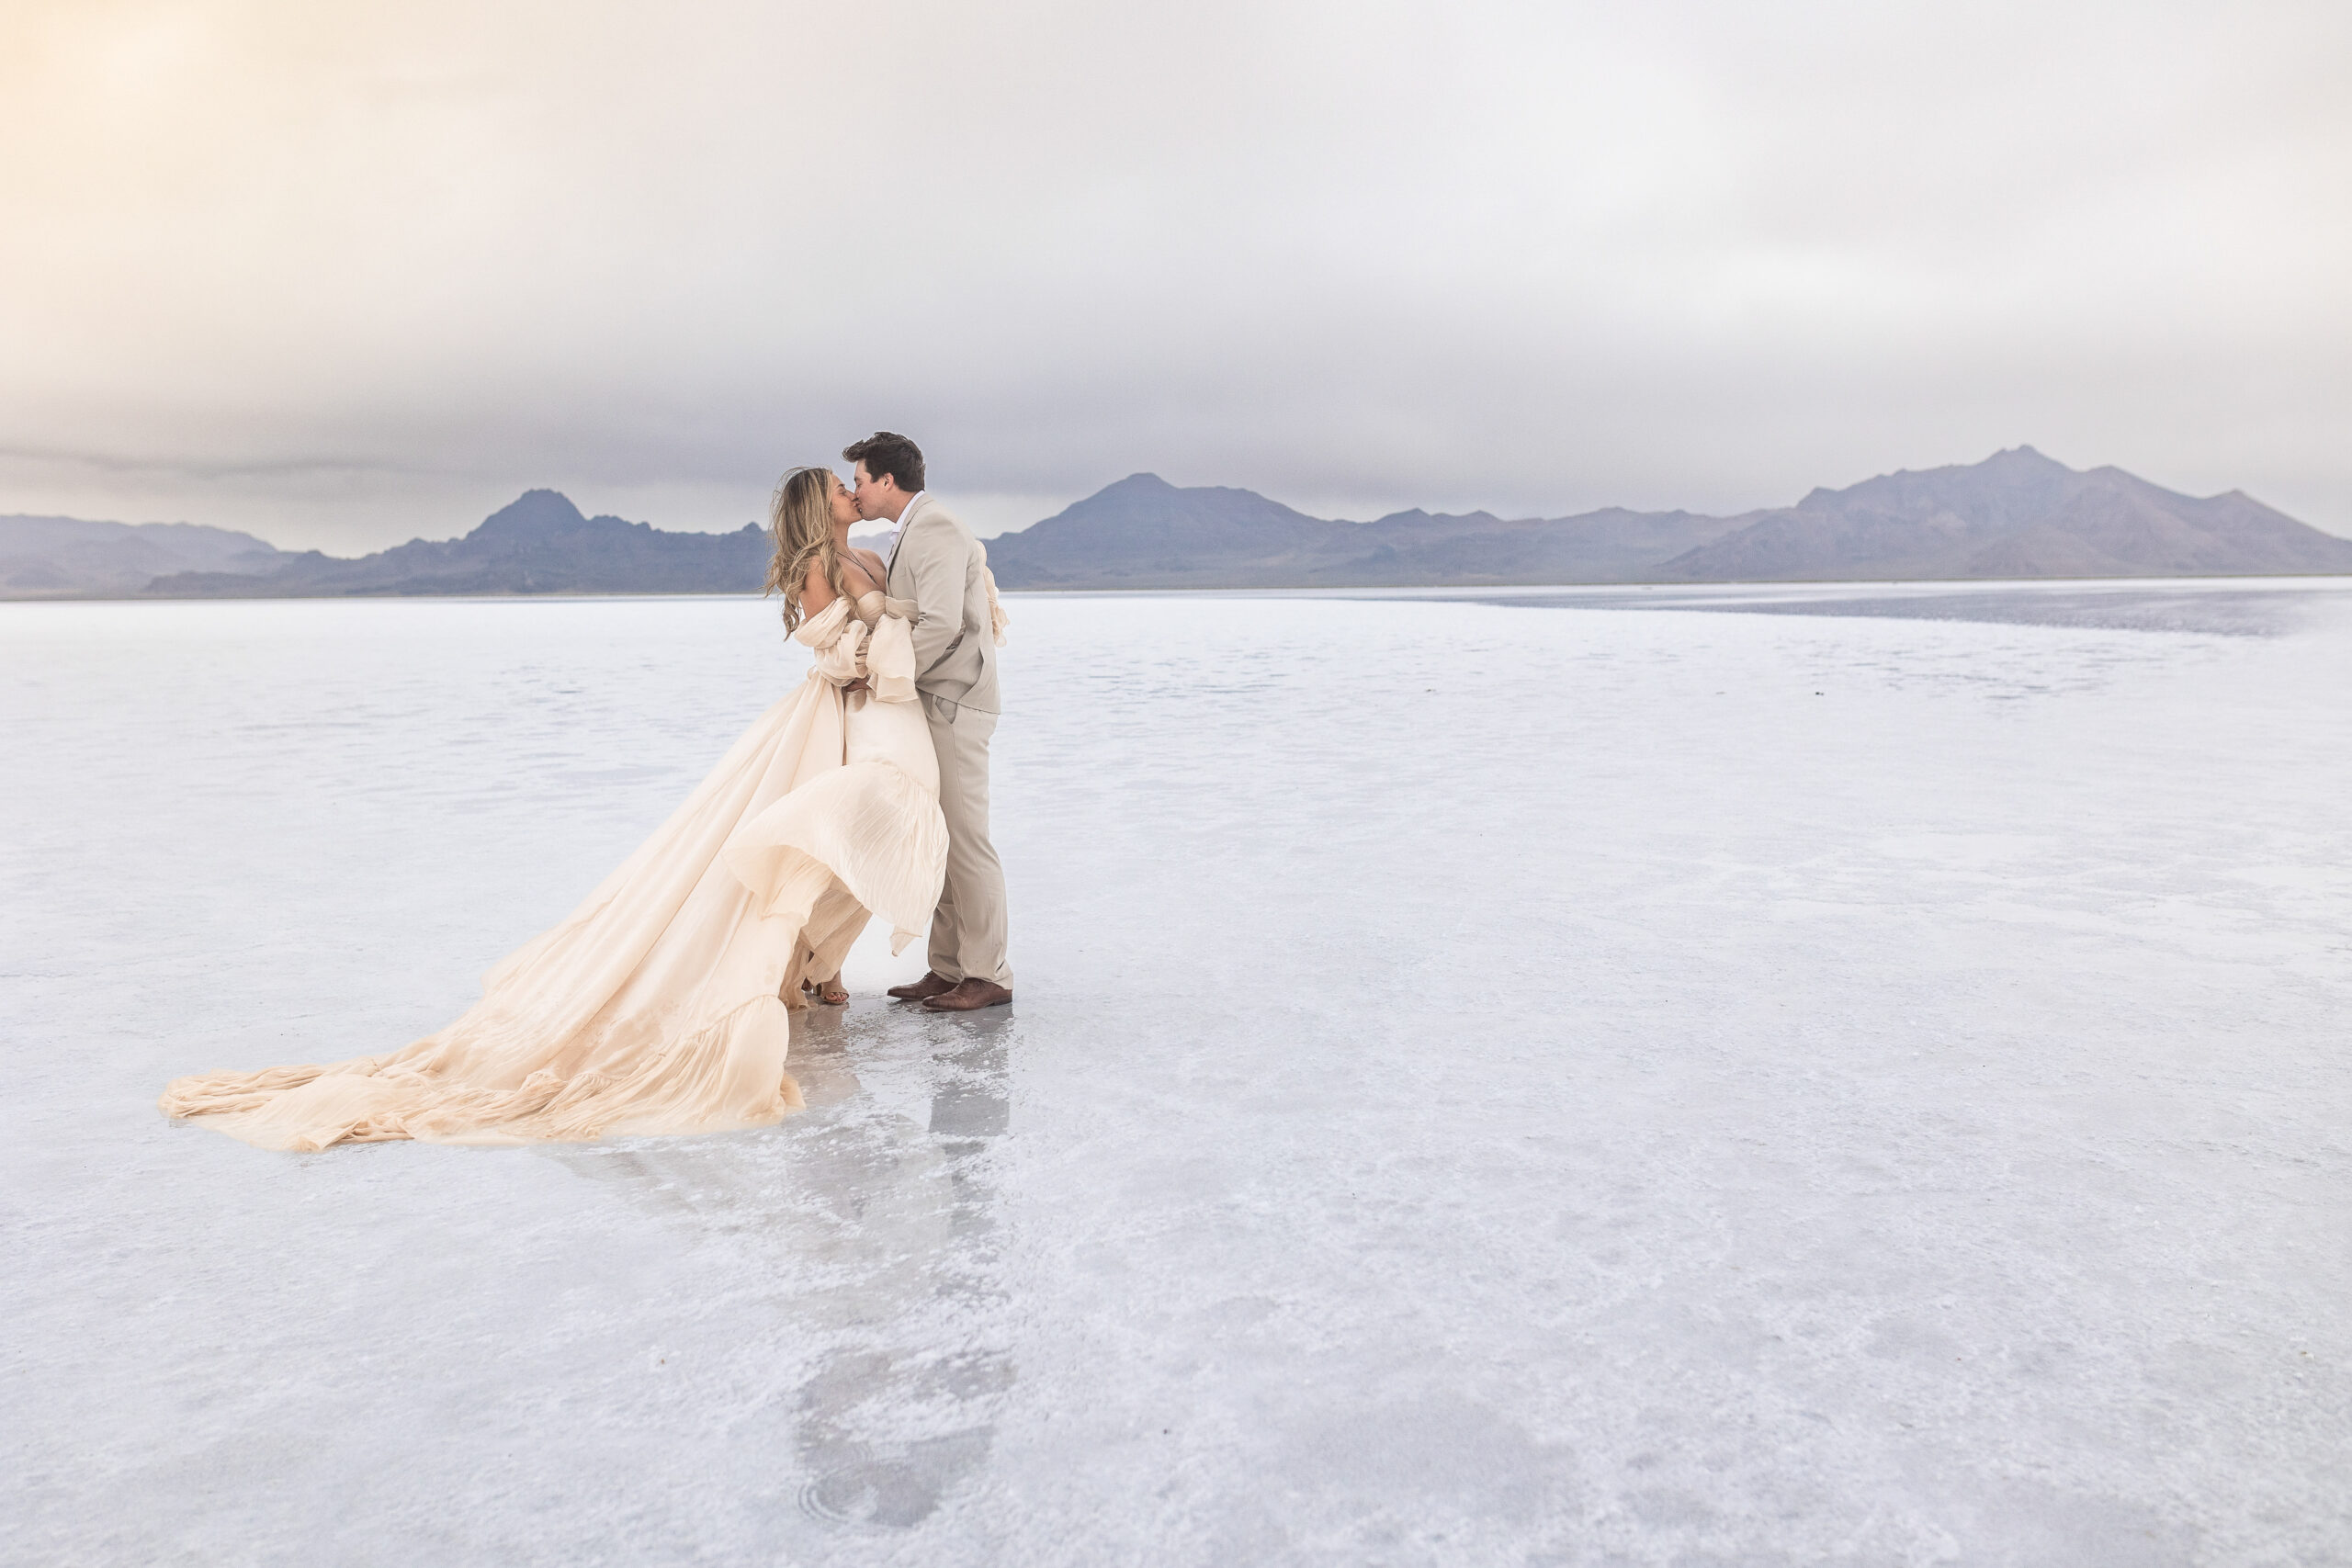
801,520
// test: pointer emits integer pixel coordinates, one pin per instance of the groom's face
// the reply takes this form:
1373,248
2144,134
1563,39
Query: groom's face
875,496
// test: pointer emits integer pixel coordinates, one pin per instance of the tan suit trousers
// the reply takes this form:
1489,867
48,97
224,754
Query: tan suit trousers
969,928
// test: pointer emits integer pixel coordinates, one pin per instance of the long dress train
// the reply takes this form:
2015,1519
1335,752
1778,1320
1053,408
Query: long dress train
661,1004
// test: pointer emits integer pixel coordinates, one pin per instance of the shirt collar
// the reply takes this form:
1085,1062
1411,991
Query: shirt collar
899,530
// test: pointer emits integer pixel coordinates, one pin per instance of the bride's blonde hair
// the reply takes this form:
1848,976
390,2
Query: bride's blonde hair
801,520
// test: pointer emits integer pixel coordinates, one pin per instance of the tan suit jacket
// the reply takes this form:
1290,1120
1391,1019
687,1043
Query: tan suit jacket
940,565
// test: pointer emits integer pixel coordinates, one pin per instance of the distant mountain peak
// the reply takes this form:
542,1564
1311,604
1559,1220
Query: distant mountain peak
532,513
2010,466
2025,458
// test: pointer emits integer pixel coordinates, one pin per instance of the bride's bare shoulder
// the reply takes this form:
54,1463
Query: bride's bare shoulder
815,592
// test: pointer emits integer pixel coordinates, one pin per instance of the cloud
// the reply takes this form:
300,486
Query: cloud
349,274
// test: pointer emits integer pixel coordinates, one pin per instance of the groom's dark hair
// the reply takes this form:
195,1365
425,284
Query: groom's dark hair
887,454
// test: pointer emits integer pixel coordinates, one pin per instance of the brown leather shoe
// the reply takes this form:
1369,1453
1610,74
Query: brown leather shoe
969,996
931,984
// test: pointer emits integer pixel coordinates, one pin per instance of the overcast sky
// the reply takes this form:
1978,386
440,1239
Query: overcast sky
343,274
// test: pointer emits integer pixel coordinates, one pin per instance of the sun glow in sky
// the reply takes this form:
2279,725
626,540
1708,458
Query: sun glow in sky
343,275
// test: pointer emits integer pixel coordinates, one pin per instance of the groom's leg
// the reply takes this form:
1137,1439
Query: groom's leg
943,930
942,918
969,928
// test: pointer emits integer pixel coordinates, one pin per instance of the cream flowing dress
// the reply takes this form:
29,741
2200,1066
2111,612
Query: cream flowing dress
662,1003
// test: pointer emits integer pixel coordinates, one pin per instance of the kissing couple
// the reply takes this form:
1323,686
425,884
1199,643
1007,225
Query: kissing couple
663,1003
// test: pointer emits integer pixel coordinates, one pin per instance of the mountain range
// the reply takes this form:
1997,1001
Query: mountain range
2016,514
539,543
45,558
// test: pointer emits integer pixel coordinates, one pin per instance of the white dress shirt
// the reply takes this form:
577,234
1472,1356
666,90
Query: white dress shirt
889,550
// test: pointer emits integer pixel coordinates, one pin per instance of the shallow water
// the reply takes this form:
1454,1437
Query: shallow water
1491,1082
2246,606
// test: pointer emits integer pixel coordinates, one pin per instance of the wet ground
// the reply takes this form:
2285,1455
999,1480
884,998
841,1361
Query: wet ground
1490,1082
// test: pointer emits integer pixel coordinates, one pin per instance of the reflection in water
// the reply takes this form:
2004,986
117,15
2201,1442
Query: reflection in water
879,1222
862,1395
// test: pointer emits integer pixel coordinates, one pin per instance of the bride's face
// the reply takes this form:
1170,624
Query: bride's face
843,504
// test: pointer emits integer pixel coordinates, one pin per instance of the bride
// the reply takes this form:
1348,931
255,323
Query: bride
662,1003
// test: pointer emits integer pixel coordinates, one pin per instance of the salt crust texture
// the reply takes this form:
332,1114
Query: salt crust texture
1585,1080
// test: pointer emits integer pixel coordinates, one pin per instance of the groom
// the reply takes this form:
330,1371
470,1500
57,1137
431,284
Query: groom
937,563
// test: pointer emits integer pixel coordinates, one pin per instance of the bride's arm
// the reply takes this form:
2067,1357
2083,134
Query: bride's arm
836,637
815,592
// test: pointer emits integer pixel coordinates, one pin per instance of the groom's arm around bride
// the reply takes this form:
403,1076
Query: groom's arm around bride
939,564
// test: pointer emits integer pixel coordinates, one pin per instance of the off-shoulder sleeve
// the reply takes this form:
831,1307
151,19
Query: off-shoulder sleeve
890,654
839,639
821,629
